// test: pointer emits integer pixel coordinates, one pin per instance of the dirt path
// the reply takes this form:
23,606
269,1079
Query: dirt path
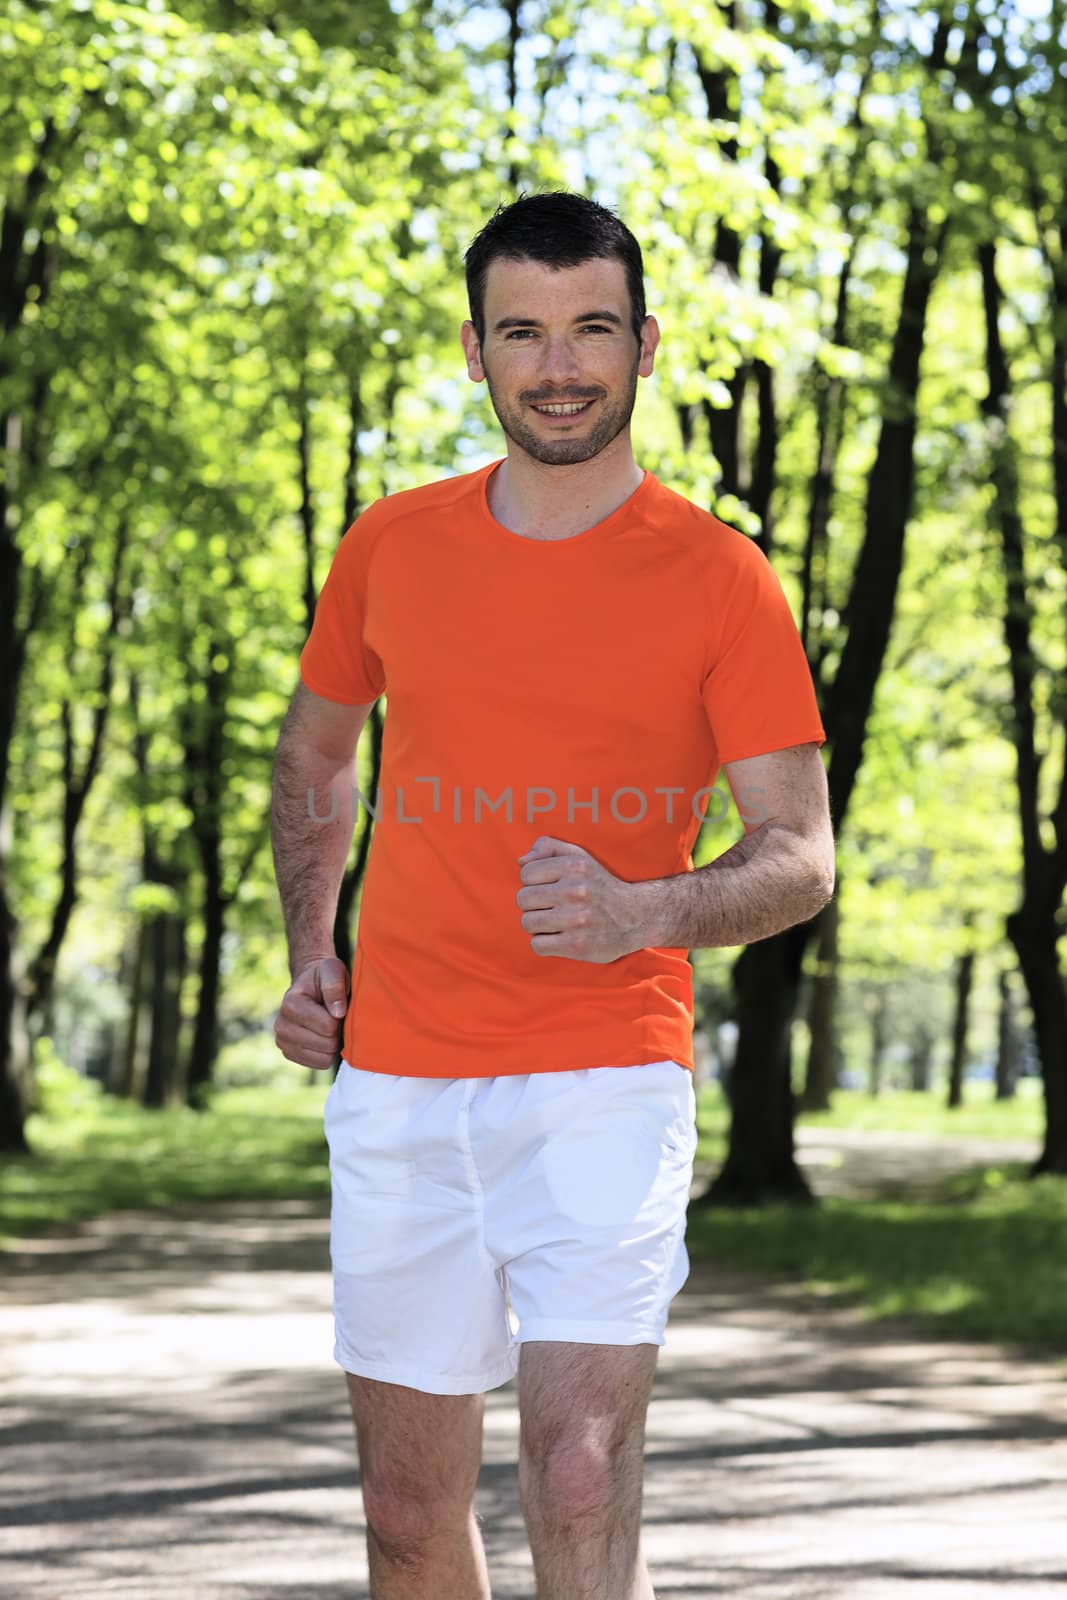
175,1430
859,1163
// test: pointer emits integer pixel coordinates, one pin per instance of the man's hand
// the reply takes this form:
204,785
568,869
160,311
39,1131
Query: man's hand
574,907
308,1027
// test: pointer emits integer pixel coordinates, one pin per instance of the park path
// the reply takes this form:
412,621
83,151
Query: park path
860,1163
175,1429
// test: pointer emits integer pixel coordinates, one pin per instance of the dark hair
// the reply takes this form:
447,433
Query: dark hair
559,230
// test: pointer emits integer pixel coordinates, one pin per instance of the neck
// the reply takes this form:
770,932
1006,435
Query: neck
547,502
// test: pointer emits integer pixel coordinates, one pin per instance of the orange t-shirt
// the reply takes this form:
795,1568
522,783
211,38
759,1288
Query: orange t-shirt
586,688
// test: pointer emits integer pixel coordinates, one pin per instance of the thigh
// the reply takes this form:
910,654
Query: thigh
416,1450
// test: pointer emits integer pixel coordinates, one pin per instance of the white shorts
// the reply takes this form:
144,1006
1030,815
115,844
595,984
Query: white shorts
471,1214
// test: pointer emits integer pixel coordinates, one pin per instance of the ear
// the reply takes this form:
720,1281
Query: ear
473,351
649,345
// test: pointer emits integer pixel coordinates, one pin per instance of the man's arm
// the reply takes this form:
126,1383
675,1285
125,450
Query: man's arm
779,874
317,752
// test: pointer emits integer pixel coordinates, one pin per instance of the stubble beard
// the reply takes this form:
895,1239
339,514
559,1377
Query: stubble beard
612,419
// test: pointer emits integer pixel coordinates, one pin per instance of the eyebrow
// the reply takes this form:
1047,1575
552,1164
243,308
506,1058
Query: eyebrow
532,322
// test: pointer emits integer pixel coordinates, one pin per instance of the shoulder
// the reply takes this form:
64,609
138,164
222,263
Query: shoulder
719,550
427,500
424,503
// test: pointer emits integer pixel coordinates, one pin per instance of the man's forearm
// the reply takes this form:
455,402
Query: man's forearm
310,850
768,881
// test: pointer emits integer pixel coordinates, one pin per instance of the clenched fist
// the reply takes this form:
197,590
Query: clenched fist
574,907
308,1027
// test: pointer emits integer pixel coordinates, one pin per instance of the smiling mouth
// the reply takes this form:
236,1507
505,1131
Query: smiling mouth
564,410
562,407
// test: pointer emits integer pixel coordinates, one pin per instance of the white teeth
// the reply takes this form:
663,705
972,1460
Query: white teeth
564,411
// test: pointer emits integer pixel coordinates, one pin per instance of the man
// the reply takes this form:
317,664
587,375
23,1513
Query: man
570,652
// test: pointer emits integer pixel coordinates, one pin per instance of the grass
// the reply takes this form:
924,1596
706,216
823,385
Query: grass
986,1260
902,1111
93,1154
983,1255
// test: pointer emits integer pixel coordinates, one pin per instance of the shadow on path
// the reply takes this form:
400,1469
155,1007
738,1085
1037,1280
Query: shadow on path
173,1425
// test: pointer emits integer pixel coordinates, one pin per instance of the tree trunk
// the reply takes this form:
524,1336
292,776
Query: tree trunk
205,1046
763,473
760,1161
167,946
14,1069
922,1044
1008,1051
160,969
721,96
960,1022
821,1076
355,425
1036,921
512,9
879,1019
830,411
890,487
1035,945
205,751
14,1037
761,1164
307,500
118,1030
79,777
134,1075
22,269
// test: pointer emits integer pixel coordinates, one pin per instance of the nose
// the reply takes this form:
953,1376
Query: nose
559,364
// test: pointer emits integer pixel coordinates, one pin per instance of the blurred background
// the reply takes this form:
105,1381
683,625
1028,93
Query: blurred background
231,287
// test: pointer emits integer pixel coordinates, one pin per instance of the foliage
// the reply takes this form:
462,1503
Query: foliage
244,230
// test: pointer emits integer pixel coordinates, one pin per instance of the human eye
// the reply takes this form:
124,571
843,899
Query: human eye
518,333
596,327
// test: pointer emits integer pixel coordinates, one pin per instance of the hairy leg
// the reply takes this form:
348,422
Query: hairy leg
581,1467
420,1455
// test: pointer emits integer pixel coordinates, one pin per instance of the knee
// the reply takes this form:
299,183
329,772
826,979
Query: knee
405,1526
574,1482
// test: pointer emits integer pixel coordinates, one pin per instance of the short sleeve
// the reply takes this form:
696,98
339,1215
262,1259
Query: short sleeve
336,661
758,691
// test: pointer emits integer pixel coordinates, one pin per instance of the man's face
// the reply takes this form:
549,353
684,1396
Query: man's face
554,339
